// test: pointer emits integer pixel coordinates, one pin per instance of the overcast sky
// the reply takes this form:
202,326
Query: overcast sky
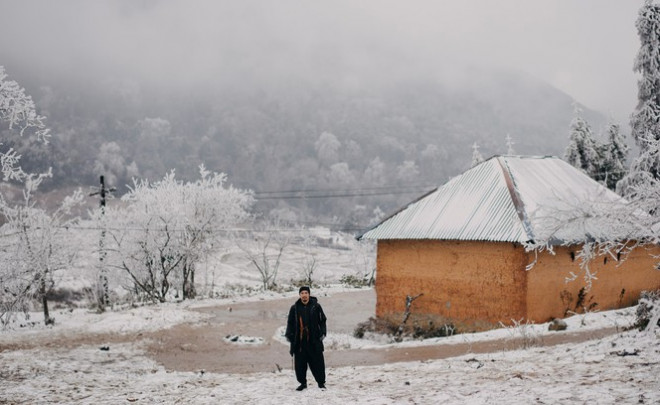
584,47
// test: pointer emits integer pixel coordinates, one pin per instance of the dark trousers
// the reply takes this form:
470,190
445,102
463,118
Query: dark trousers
313,357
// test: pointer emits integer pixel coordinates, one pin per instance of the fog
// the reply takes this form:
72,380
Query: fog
585,48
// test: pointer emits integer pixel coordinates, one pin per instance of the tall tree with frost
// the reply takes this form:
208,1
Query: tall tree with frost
632,222
613,155
35,245
645,120
581,150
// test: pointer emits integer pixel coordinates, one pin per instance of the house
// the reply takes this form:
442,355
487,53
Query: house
466,248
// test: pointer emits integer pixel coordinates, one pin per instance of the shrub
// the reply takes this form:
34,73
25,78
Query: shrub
648,309
302,282
351,280
431,330
375,325
420,329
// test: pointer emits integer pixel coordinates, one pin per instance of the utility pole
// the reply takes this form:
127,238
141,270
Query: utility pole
103,298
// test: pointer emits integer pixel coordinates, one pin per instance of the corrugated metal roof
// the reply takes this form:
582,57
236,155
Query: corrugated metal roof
506,199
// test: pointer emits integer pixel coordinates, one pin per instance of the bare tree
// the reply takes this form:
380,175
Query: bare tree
264,251
364,260
309,264
406,315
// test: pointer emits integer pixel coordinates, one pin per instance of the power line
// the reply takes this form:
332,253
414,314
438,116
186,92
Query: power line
340,193
175,230
309,196
393,187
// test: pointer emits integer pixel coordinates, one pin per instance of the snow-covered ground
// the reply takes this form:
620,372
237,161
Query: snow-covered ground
622,368
591,372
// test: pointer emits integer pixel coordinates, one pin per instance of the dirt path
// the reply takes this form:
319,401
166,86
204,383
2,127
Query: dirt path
202,346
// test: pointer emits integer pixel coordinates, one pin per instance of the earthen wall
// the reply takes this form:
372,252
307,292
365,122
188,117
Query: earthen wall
473,284
618,283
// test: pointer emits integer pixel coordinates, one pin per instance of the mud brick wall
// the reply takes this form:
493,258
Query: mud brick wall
618,285
475,284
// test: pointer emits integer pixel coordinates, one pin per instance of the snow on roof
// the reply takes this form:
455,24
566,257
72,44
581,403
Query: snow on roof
507,199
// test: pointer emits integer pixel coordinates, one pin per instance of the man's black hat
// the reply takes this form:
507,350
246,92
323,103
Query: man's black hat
303,288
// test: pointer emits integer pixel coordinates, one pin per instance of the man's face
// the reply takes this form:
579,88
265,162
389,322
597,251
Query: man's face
304,296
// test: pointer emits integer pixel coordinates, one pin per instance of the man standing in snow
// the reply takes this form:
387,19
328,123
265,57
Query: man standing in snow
305,329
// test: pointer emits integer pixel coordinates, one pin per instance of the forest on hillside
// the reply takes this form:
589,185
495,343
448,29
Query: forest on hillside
335,152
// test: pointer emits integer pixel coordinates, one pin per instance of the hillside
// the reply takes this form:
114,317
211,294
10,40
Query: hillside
372,142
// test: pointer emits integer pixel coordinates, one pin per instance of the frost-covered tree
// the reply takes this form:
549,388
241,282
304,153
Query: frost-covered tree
327,148
33,247
581,151
640,181
18,112
111,164
476,155
612,157
375,174
37,246
634,221
509,145
156,146
167,227
407,171
645,120
339,175
154,128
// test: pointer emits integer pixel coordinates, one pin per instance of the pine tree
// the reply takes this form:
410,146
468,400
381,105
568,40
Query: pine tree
581,151
476,155
645,120
613,156
509,145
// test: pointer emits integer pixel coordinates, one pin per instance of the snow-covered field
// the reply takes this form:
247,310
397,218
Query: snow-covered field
588,373
622,368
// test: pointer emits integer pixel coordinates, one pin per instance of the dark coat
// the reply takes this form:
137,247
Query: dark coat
316,326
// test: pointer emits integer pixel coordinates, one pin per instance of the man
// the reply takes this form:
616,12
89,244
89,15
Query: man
305,329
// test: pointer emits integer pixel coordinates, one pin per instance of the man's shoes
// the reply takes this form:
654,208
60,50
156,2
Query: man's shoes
301,387
322,386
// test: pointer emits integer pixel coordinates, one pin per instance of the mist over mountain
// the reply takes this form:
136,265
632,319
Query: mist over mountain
315,149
